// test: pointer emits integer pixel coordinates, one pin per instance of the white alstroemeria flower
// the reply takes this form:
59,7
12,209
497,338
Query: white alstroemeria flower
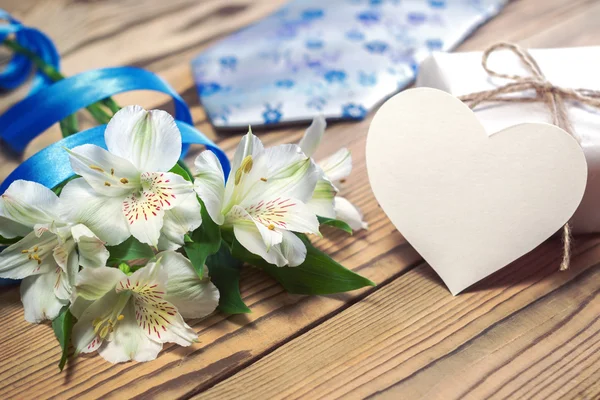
50,253
335,169
130,317
264,199
127,190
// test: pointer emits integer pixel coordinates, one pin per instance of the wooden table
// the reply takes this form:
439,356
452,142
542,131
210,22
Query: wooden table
526,332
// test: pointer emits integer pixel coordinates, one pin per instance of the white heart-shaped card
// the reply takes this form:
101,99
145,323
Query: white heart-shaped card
470,203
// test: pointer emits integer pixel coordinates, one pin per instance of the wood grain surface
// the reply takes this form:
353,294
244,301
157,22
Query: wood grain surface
528,331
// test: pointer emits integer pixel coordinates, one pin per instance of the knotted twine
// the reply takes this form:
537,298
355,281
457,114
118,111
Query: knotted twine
553,96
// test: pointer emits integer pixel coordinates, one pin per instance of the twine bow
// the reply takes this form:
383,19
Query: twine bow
553,96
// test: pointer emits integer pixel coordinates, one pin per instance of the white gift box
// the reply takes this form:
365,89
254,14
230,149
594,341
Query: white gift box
575,68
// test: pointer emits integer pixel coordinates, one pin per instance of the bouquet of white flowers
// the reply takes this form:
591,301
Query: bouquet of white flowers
119,255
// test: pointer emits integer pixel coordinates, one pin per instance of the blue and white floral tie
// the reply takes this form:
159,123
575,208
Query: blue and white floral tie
339,58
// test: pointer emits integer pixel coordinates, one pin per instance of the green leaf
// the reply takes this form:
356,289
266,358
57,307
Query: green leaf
206,240
181,169
336,223
319,274
225,274
131,249
5,242
62,326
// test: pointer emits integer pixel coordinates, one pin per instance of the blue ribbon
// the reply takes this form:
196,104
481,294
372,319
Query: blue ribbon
32,116
19,67
27,119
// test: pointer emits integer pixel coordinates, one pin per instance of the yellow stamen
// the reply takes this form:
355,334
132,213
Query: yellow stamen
29,257
39,262
24,251
247,164
120,317
35,249
271,227
106,184
263,179
124,181
36,257
112,171
238,176
96,168
104,332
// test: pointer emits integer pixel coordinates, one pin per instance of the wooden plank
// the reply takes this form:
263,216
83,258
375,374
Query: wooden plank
228,344
529,330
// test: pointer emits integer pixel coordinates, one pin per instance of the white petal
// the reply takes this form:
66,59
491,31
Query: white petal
27,203
240,216
250,145
21,259
177,222
337,166
210,184
101,214
249,237
39,301
61,253
108,174
67,278
193,297
94,283
313,135
146,282
128,342
10,229
166,189
79,305
92,252
149,139
161,322
293,249
250,148
347,212
145,211
281,170
284,213
145,217
322,202
158,318
84,338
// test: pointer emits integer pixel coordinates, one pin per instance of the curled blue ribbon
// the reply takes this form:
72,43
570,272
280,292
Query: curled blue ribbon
36,113
18,69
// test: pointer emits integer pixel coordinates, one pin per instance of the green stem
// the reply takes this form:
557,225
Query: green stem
69,126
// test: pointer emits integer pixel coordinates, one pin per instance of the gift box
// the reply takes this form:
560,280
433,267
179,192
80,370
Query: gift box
575,68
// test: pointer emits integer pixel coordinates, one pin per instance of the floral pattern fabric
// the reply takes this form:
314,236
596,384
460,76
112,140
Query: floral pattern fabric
339,58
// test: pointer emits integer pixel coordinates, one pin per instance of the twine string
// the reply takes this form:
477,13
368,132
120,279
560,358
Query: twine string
553,96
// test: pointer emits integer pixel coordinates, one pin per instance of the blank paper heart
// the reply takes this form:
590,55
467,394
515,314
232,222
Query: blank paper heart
470,203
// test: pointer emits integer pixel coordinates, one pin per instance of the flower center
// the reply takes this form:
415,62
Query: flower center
102,327
39,251
106,325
